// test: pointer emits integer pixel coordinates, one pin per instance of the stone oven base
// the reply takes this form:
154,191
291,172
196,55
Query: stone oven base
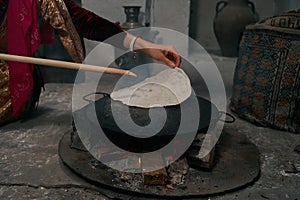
236,166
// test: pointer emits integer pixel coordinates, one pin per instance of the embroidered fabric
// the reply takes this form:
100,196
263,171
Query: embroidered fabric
70,21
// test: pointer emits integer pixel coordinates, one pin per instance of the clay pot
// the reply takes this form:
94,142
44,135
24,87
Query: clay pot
231,18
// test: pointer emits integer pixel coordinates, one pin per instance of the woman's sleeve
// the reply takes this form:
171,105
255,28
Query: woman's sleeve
93,27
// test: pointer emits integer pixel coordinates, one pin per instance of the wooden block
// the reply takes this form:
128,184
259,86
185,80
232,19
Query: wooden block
199,148
158,177
76,142
124,161
156,173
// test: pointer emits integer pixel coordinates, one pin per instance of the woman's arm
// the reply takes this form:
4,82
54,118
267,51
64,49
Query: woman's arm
93,27
166,54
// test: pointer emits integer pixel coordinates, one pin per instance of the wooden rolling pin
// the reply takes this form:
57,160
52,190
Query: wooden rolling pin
64,64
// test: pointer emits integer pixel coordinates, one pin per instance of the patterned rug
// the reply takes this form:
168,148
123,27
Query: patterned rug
266,87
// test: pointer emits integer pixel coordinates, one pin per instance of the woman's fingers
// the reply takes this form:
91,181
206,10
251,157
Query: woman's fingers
168,62
174,57
166,54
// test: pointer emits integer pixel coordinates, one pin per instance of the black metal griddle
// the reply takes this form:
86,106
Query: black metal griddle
103,106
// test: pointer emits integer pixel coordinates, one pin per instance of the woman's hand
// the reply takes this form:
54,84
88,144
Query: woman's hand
166,54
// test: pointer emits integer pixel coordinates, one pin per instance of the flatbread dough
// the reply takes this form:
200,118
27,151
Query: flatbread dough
169,87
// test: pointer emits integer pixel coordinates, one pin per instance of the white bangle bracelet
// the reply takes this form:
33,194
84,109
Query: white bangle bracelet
132,43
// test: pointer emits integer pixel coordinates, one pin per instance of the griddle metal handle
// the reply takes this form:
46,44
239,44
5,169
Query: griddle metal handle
230,121
85,97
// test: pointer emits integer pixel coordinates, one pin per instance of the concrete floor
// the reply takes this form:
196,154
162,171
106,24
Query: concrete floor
30,167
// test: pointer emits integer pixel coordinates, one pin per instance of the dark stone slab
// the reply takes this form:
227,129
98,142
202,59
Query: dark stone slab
29,156
237,166
297,149
28,148
27,192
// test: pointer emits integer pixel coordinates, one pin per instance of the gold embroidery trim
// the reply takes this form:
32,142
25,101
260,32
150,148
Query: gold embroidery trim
56,14
6,113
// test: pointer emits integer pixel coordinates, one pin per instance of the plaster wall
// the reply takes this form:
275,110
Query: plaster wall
173,14
204,11
191,17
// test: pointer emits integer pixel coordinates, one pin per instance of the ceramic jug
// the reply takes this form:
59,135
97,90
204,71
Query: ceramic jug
231,18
